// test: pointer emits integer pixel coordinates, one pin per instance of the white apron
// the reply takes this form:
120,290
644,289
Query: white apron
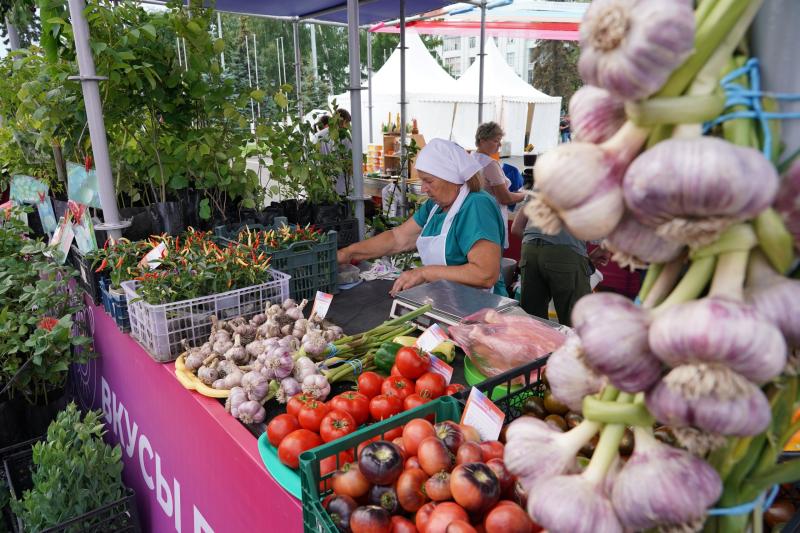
484,160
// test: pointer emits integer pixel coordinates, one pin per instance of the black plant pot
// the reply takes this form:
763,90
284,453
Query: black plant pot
143,222
267,216
12,430
170,217
191,209
289,208
39,415
325,213
305,213
529,159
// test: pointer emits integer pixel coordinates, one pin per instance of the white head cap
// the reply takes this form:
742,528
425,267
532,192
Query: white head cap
446,160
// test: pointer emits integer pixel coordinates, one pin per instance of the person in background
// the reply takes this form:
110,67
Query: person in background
564,128
553,266
458,232
323,140
487,141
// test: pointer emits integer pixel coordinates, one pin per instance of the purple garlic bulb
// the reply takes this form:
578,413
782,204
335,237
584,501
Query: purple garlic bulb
573,504
712,398
635,245
776,298
595,114
616,345
630,47
569,377
787,202
715,330
645,495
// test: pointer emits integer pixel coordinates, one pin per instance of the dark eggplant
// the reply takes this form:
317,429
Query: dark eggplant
381,462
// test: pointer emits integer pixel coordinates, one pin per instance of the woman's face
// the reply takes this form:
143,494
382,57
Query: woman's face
440,191
490,146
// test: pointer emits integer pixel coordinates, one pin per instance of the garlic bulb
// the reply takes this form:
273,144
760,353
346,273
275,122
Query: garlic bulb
573,504
787,201
630,47
719,330
255,385
712,398
644,493
237,353
236,397
207,375
616,346
775,297
635,245
535,451
691,190
193,361
595,114
578,185
569,377
251,412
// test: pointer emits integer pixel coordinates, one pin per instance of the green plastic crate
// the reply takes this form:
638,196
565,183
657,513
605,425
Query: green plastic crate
315,518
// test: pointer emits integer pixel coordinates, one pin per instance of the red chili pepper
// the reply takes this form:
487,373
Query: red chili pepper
119,263
102,266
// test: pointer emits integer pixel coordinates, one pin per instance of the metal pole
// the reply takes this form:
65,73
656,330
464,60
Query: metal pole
297,74
94,116
369,83
250,83
403,172
313,28
278,53
185,57
283,60
483,55
219,34
354,46
255,63
180,62
13,35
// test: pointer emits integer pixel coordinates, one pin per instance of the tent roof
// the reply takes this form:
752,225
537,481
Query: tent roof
423,73
499,80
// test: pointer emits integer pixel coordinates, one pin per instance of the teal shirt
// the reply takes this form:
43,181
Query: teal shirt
479,218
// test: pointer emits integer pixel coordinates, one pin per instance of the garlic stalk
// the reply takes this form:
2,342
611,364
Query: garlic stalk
595,114
569,377
774,239
634,245
662,486
578,185
677,110
630,47
662,283
775,297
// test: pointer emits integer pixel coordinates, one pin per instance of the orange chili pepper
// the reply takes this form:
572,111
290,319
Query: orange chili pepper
102,266
119,263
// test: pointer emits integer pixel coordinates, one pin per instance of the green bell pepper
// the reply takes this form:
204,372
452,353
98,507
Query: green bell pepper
385,356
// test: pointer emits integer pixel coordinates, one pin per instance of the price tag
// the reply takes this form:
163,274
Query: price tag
432,338
153,257
322,302
62,238
482,414
440,367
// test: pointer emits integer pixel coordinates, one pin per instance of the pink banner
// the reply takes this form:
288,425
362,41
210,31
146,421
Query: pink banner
556,31
194,467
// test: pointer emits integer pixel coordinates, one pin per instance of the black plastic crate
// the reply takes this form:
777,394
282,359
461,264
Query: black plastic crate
346,229
88,279
116,305
117,516
6,516
515,386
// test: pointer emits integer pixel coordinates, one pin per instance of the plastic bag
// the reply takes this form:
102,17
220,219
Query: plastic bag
497,342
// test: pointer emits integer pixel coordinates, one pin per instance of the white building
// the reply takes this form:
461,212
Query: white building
458,53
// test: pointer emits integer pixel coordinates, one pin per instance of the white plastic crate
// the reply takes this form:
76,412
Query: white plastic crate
161,328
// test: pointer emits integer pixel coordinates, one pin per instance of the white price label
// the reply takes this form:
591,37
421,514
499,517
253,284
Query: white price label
440,367
432,338
154,256
322,302
482,414
62,238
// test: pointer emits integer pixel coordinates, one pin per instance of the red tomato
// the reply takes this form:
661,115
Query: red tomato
370,519
397,386
437,487
311,415
279,427
469,452
433,383
411,489
504,477
434,456
474,487
443,515
382,406
349,481
335,425
411,462
395,372
508,518
411,362
393,433
403,525
369,384
491,449
365,443
460,526
470,433
415,432
414,400
296,402
294,444
454,388
423,516
329,465
354,403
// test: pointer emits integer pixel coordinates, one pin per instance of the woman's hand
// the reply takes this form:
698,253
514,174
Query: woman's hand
344,256
408,279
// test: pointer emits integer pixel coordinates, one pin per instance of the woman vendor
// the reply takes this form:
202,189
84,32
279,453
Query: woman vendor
458,232
487,141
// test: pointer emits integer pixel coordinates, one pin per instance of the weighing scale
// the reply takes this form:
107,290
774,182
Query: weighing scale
451,302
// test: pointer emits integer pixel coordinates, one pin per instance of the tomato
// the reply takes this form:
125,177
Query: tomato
349,481
434,456
370,519
412,362
397,386
433,383
401,524
384,496
294,444
469,452
381,462
460,526
311,415
354,403
414,432
329,465
365,444
438,487
335,425
454,388
382,406
451,434
470,433
411,462
492,449
340,508
296,402
443,515
504,477
508,518
394,433
474,487
395,372
423,516
369,384
410,489
279,427
415,400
